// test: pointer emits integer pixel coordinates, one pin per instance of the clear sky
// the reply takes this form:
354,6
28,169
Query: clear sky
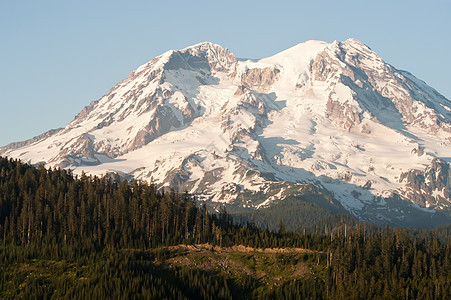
58,56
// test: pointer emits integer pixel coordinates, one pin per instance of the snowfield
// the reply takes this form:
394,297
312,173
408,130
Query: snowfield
332,115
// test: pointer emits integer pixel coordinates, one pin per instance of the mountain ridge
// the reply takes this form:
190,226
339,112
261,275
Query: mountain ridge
335,116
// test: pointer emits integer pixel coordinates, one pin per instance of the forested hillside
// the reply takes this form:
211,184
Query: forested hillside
102,238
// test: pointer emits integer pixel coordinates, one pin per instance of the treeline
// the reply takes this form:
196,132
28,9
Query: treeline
389,264
99,237
297,214
54,207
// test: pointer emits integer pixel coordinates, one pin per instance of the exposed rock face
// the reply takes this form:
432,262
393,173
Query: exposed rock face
206,56
362,82
260,78
250,133
162,122
17,145
81,152
145,96
431,187
344,114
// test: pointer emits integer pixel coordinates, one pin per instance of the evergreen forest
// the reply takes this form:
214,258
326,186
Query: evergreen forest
88,237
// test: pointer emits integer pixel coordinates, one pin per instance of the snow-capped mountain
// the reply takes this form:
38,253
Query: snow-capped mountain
331,116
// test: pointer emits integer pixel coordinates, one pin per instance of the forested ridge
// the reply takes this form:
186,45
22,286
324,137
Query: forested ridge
99,237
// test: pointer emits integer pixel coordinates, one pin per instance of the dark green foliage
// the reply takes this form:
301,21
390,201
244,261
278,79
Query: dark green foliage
391,265
302,212
111,274
90,237
308,288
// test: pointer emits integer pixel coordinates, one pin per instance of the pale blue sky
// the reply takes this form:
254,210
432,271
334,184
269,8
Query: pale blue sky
58,56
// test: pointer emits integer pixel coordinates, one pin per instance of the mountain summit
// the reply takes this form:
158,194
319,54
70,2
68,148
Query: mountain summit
332,117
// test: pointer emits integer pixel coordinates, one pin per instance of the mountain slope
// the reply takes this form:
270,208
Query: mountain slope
332,117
